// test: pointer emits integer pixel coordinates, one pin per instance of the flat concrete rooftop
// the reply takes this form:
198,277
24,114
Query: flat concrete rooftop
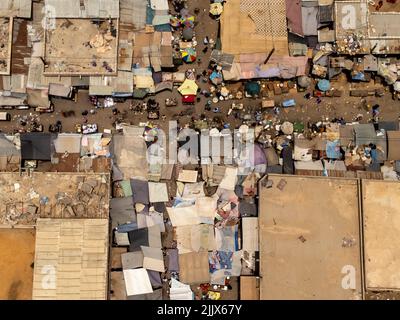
309,233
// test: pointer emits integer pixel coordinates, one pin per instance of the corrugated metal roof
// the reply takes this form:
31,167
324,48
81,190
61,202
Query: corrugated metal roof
293,13
68,142
71,259
100,86
133,12
123,82
12,100
91,8
7,25
59,90
15,83
36,146
125,54
106,86
36,80
309,20
16,8
7,148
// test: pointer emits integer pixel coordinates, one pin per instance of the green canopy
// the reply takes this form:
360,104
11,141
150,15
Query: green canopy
252,88
139,93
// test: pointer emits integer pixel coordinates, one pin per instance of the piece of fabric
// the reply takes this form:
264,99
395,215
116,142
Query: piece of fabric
195,238
137,282
180,291
166,171
189,176
155,279
218,173
121,211
155,295
223,264
227,238
193,190
206,209
160,207
127,227
121,238
153,218
229,180
250,185
150,237
247,208
126,187
158,192
194,268
132,260
173,260
183,216
140,191
250,234
333,149
138,238
153,259
117,174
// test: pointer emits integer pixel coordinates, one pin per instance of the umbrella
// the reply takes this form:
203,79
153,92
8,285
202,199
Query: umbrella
174,21
396,86
216,9
216,78
188,87
187,34
187,21
189,55
304,81
324,85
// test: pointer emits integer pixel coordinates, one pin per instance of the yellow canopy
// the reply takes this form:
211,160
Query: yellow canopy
216,9
188,87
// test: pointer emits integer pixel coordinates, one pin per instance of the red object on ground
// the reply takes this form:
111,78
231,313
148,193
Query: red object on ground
189,99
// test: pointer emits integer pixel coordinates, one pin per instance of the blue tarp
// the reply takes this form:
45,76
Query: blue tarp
333,149
324,85
121,95
215,75
289,103
219,260
125,228
225,259
150,13
252,88
273,72
163,28
359,76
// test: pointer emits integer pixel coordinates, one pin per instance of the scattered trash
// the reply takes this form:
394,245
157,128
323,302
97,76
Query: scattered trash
302,239
281,185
